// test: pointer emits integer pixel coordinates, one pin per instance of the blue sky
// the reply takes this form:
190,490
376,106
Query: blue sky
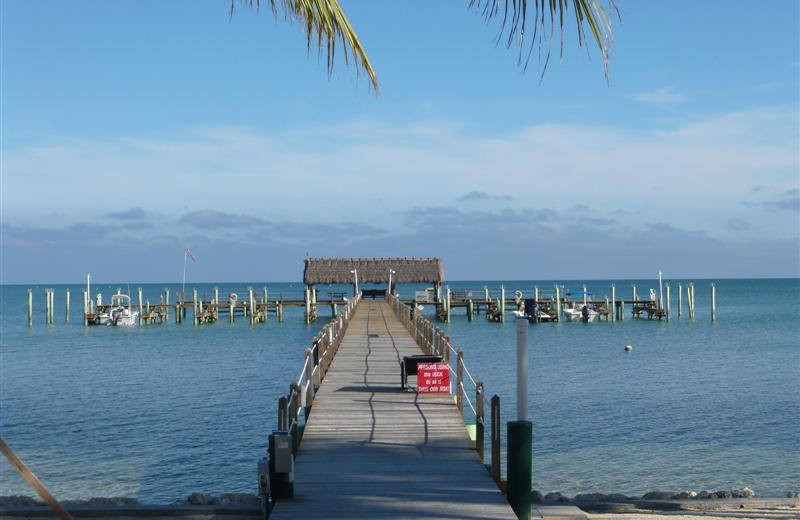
134,129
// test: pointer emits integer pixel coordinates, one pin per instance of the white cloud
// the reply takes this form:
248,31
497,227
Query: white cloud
664,97
364,171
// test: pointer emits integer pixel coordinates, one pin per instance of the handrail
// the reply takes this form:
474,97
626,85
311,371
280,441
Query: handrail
318,358
433,340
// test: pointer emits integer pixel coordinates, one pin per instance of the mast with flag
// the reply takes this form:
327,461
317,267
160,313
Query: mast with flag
187,253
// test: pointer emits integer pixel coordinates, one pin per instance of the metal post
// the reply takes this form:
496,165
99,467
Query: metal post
667,306
66,316
479,420
502,304
680,299
558,303
460,380
713,302
495,439
613,302
30,308
520,434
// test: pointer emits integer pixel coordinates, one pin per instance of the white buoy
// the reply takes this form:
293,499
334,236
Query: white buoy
628,348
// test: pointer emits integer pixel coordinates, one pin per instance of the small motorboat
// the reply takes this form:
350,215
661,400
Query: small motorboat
580,312
119,312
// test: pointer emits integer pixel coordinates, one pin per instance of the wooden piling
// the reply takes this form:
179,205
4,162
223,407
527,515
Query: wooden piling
502,304
633,292
479,421
667,306
558,302
613,302
47,305
460,380
66,309
495,439
486,294
266,305
141,316
470,309
251,304
231,309
713,302
85,308
194,306
30,308
447,301
536,293
680,299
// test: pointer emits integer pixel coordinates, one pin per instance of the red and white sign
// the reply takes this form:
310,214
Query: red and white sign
433,378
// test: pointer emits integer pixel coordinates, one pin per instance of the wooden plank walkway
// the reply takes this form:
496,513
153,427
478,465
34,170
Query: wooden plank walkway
372,451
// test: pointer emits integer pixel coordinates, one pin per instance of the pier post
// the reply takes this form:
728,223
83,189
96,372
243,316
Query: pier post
558,303
166,305
667,304
495,439
280,311
141,316
30,308
520,434
307,302
85,307
502,304
680,299
231,309
713,302
535,293
251,303
633,292
470,309
690,298
460,380
266,305
47,306
194,305
447,294
479,420
608,312
486,294
585,296
66,315
613,302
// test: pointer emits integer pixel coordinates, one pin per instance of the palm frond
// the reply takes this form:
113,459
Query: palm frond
325,26
515,16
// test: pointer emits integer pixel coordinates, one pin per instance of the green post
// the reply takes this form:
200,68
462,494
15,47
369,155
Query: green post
519,466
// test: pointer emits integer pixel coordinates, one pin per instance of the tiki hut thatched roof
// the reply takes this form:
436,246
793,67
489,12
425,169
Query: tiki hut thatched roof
373,270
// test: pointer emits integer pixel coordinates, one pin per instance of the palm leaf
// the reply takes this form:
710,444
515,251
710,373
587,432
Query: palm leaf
515,16
325,26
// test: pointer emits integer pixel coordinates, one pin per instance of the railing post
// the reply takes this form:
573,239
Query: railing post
495,438
446,354
460,380
294,409
308,397
479,419
283,419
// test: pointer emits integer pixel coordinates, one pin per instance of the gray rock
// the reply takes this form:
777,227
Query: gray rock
658,495
590,497
744,492
112,501
18,500
721,494
200,499
536,496
555,497
705,494
238,498
617,497
684,495
792,494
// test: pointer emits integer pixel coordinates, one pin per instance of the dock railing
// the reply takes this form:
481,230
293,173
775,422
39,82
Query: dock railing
318,358
433,341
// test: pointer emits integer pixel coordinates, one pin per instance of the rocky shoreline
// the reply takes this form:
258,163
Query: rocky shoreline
204,499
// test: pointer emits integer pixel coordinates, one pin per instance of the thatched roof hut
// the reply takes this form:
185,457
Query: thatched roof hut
373,270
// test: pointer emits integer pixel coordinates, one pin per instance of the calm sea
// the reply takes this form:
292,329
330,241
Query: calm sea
158,412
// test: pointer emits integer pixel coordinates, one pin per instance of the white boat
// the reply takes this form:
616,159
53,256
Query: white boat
120,313
576,313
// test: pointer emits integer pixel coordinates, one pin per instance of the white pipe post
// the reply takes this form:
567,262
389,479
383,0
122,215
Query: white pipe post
558,303
585,296
713,302
522,369
660,292
680,299
666,308
613,302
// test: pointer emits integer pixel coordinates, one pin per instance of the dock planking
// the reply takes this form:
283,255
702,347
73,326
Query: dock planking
372,451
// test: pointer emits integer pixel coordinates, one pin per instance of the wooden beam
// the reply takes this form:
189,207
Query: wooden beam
28,475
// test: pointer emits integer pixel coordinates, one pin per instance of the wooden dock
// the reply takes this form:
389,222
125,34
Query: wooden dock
370,450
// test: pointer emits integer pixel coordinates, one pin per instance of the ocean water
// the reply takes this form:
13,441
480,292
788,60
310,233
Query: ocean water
158,412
